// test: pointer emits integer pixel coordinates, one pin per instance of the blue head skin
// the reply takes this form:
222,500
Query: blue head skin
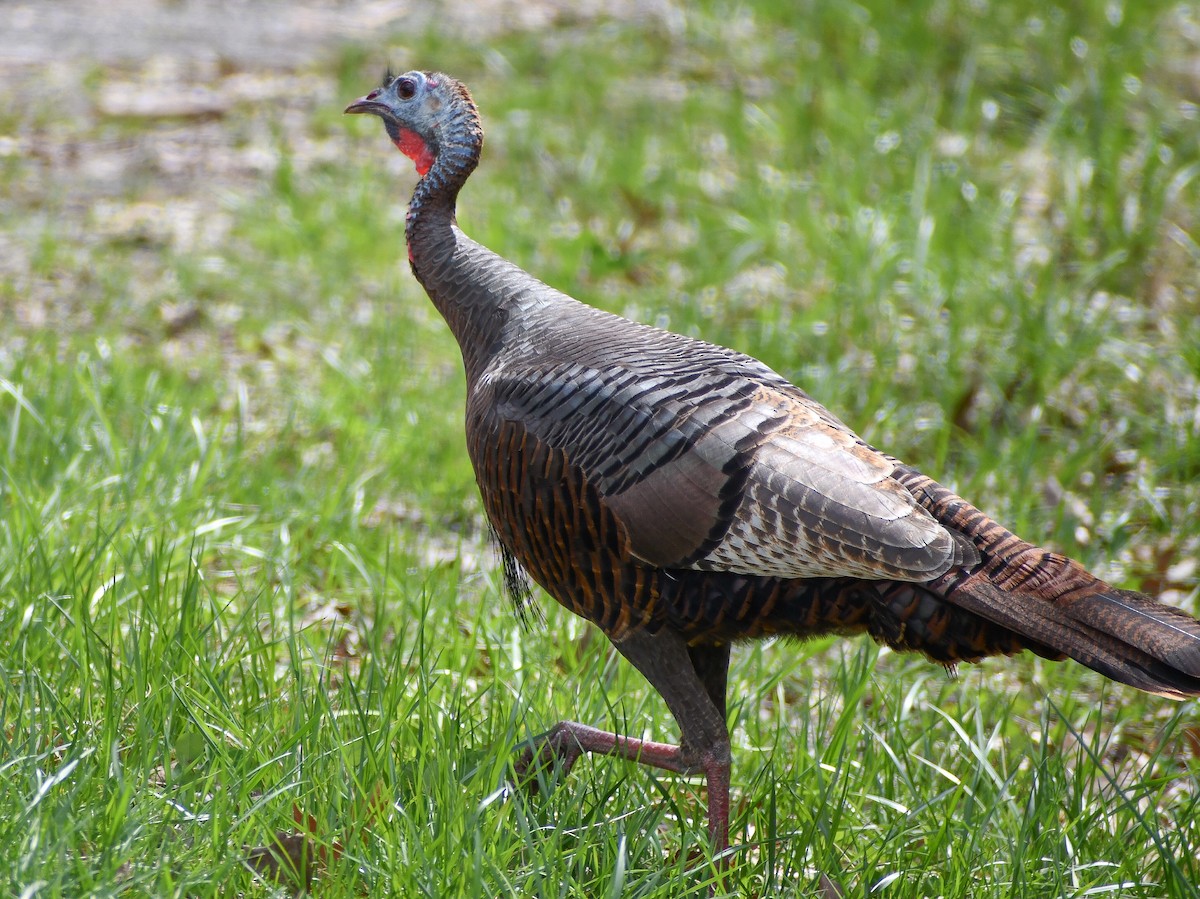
432,119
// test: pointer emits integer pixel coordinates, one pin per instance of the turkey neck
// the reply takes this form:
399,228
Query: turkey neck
467,283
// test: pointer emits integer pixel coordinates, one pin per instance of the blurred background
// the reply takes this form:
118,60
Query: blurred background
250,594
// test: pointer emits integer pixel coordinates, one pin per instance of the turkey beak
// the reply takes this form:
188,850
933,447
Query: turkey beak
365,105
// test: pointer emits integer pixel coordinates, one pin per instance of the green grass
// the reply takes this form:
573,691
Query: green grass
244,584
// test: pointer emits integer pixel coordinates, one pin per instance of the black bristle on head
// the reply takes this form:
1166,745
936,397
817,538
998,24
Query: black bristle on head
388,77
518,587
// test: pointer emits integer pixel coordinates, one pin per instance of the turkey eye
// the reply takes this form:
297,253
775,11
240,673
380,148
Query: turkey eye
406,88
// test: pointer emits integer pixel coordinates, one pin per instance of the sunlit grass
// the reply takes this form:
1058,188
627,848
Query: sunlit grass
244,584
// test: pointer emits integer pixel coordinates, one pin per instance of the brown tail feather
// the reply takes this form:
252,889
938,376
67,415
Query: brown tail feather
1051,599
1159,630
1101,645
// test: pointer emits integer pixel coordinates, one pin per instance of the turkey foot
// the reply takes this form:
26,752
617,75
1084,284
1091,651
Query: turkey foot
564,743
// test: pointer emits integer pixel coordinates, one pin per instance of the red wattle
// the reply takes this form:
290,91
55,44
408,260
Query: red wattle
414,147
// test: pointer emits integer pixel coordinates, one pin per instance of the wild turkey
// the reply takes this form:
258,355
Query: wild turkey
683,496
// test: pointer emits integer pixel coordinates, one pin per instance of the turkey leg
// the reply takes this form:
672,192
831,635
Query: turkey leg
692,681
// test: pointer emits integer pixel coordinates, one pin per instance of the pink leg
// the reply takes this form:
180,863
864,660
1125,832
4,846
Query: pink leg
692,681
568,740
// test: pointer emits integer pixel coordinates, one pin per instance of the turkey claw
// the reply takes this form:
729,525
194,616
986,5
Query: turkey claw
555,751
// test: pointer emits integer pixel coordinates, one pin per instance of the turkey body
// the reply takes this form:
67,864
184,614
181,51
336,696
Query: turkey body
683,496
568,430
